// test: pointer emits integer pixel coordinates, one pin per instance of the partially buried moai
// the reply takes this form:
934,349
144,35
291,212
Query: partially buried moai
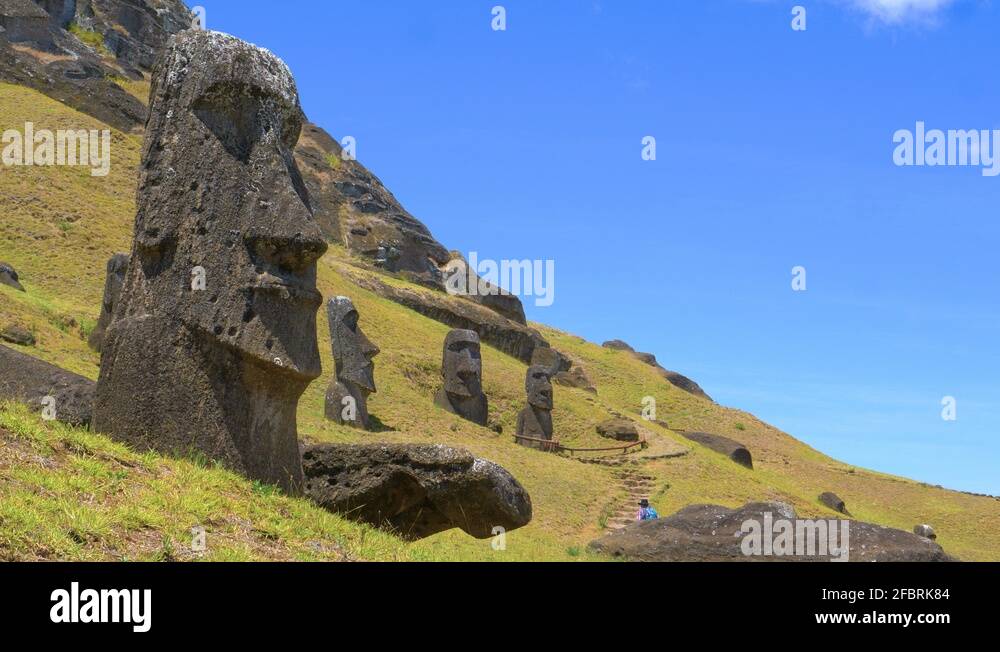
117,266
462,371
535,420
215,338
353,353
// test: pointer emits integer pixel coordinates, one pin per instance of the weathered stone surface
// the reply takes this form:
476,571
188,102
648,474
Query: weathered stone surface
23,20
535,420
494,329
415,490
117,266
25,379
17,335
354,355
734,450
554,361
618,429
833,501
462,371
925,531
9,277
135,31
460,281
576,377
672,377
222,207
715,533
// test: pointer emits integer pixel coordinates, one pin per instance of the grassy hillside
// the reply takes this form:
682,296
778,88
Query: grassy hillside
73,495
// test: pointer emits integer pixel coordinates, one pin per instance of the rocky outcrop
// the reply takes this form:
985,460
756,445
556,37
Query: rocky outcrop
734,450
9,277
18,335
415,491
925,531
214,340
494,329
715,533
354,209
23,20
618,429
76,73
576,377
24,379
113,280
833,501
672,377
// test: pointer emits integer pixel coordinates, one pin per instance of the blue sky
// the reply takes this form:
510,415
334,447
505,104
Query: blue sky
774,150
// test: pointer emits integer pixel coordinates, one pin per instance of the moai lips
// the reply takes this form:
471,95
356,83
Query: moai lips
353,353
217,366
462,370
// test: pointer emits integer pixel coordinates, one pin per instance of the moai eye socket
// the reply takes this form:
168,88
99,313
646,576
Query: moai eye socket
240,115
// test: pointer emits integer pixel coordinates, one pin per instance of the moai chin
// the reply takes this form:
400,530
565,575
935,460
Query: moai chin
535,420
215,338
353,353
117,266
462,371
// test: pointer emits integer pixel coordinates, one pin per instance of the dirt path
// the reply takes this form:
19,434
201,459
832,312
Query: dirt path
637,485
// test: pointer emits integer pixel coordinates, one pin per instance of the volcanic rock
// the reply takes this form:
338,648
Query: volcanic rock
415,490
672,377
215,338
734,450
833,501
17,335
9,277
715,533
618,429
115,277
25,379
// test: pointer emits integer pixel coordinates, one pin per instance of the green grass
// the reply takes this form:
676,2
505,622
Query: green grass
89,37
67,494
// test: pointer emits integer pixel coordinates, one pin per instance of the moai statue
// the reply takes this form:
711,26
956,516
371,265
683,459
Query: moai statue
117,266
215,338
535,420
353,353
462,370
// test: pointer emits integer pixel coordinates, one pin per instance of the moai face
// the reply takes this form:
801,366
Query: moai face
221,200
538,386
462,364
353,352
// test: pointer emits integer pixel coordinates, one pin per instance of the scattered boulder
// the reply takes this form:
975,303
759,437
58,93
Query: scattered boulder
25,379
618,429
925,531
9,277
535,420
833,501
672,377
415,490
716,533
353,354
734,450
215,338
576,377
17,335
462,371
113,281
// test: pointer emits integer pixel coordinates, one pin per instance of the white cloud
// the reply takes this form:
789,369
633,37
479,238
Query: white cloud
901,11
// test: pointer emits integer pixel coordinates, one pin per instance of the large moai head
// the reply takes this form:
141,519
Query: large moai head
462,364
538,385
215,340
353,354
462,371
225,236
